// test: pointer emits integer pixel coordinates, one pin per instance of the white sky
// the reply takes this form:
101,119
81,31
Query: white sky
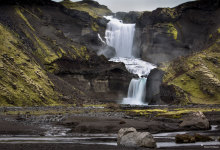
138,5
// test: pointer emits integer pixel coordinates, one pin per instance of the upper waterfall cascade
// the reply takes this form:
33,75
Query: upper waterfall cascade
121,36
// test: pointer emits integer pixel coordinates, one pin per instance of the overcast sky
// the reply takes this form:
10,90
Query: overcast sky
138,5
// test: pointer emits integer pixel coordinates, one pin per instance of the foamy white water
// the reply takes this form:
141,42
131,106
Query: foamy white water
135,65
120,36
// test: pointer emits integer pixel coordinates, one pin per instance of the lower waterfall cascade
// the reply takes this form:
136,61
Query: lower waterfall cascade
121,36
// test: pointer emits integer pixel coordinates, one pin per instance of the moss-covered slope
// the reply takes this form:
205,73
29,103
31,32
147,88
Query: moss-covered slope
22,81
30,44
47,56
196,78
93,8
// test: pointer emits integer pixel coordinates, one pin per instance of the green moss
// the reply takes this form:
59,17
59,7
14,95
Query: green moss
170,113
91,10
218,30
44,52
23,82
95,27
20,14
80,52
172,31
197,75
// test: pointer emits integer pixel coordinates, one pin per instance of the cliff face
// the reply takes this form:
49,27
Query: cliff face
184,41
195,78
45,61
168,33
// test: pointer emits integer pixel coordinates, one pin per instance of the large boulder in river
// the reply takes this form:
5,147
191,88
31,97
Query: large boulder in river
195,121
129,137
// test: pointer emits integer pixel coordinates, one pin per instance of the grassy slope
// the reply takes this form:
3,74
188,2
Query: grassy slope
198,75
95,12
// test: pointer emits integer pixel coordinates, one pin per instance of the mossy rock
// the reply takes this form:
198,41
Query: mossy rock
202,138
184,138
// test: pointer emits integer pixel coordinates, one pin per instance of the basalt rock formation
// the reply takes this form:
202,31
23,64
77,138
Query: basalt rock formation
44,61
184,42
167,33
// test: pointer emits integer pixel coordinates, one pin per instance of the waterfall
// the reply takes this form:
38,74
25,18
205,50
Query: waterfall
136,92
120,36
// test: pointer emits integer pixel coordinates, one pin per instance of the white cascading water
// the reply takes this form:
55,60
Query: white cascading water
120,36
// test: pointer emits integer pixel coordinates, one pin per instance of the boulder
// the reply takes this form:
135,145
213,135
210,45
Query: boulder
129,137
202,138
185,138
195,121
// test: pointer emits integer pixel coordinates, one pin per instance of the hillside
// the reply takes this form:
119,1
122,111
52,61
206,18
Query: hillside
45,58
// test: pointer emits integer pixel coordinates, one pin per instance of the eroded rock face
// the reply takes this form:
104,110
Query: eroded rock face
129,137
154,81
196,121
167,33
130,17
99,78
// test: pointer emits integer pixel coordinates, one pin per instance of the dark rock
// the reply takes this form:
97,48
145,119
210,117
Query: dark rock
107,51
99,78
202,138
102,22
184,138
167,33
82,15
171,94
154,80
162,126
27,2
130,17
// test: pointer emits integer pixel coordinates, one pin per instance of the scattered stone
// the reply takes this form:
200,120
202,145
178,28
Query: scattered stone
122,122
184,138
129,137
195,121
202,138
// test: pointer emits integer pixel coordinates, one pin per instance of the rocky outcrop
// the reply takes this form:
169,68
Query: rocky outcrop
154,81
196,121
130,17
167,33
129,137
98,78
